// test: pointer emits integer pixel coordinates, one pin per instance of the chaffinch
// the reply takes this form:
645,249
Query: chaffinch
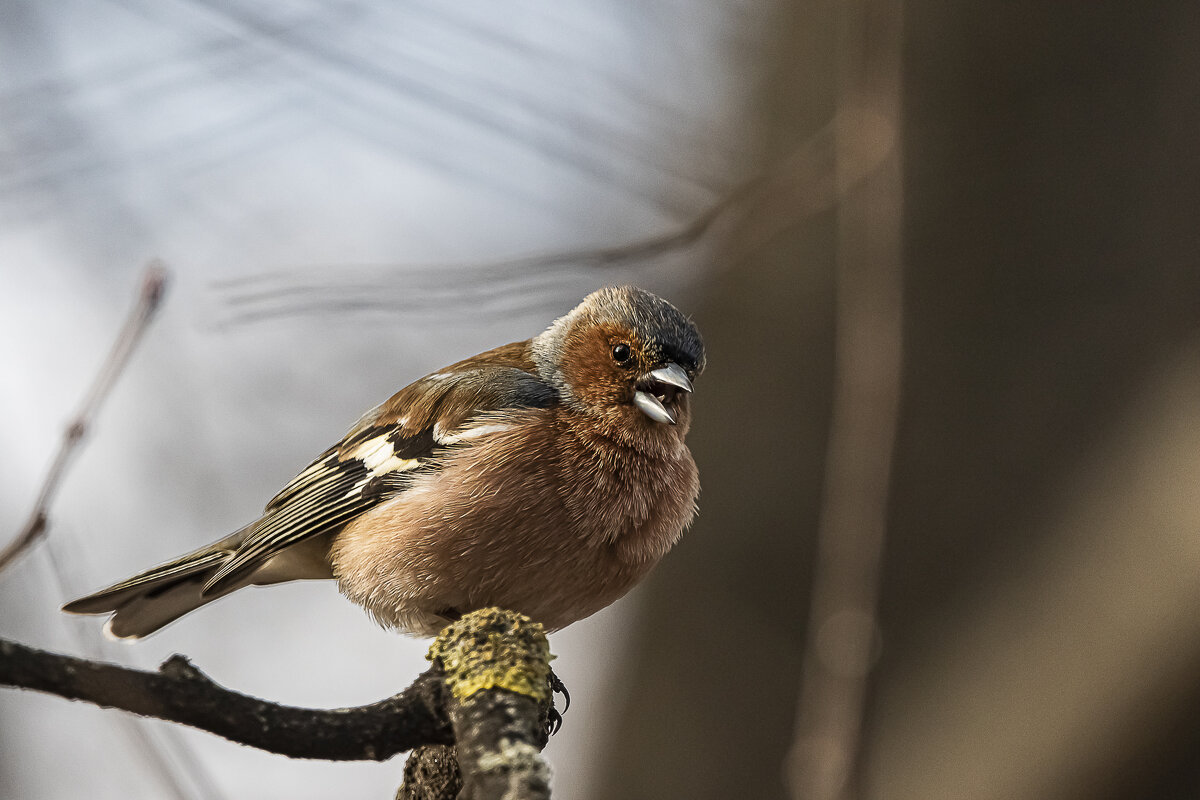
546,476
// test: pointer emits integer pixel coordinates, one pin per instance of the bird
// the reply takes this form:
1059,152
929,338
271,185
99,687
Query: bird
546,476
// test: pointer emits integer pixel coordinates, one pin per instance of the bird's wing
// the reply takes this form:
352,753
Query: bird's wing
386,450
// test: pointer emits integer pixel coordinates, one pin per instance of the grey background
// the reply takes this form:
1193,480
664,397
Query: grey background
1038,634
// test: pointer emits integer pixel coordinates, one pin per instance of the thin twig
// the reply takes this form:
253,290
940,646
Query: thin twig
268,295
809,179
150,296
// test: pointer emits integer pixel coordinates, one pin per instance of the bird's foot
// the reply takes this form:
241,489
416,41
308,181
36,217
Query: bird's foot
554,719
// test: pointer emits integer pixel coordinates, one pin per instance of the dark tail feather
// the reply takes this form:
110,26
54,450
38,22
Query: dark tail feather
147,602
143,614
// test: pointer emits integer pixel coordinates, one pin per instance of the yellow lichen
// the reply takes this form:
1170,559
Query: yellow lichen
494,649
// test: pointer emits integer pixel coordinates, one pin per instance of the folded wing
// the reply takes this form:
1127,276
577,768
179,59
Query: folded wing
378,459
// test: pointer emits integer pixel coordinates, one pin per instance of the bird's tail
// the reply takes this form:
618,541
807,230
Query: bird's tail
146,602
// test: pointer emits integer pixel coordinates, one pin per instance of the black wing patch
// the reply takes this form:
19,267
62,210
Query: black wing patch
324,497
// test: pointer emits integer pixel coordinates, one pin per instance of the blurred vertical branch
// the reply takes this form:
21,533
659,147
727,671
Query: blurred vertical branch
842,630
150,294
151,291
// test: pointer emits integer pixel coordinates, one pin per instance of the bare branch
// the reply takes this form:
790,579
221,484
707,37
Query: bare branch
488,694
150,296
179,692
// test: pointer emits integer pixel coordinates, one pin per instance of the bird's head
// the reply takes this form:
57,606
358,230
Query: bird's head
625,357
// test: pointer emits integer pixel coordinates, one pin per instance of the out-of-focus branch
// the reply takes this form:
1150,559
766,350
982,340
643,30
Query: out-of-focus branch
808,180
843,630
150,295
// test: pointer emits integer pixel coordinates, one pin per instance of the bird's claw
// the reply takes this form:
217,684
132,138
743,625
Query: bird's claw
554,718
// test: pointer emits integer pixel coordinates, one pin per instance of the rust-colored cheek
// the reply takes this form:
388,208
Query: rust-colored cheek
589,369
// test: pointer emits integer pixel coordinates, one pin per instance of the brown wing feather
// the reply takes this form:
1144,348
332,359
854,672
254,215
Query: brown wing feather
384,452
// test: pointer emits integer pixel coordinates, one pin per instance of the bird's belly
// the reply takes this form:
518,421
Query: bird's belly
522,539
416,570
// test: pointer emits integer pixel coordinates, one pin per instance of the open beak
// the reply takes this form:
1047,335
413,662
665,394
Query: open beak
657,390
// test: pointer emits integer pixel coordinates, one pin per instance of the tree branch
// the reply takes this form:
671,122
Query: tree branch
150,294
497,670
813,177
179,692
487,694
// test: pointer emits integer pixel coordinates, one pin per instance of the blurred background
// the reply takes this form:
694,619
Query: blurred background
352,194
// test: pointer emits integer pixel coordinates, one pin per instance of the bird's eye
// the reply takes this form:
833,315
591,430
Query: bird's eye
622,353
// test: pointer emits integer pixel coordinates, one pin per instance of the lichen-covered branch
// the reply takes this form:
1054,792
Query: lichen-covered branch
497,669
